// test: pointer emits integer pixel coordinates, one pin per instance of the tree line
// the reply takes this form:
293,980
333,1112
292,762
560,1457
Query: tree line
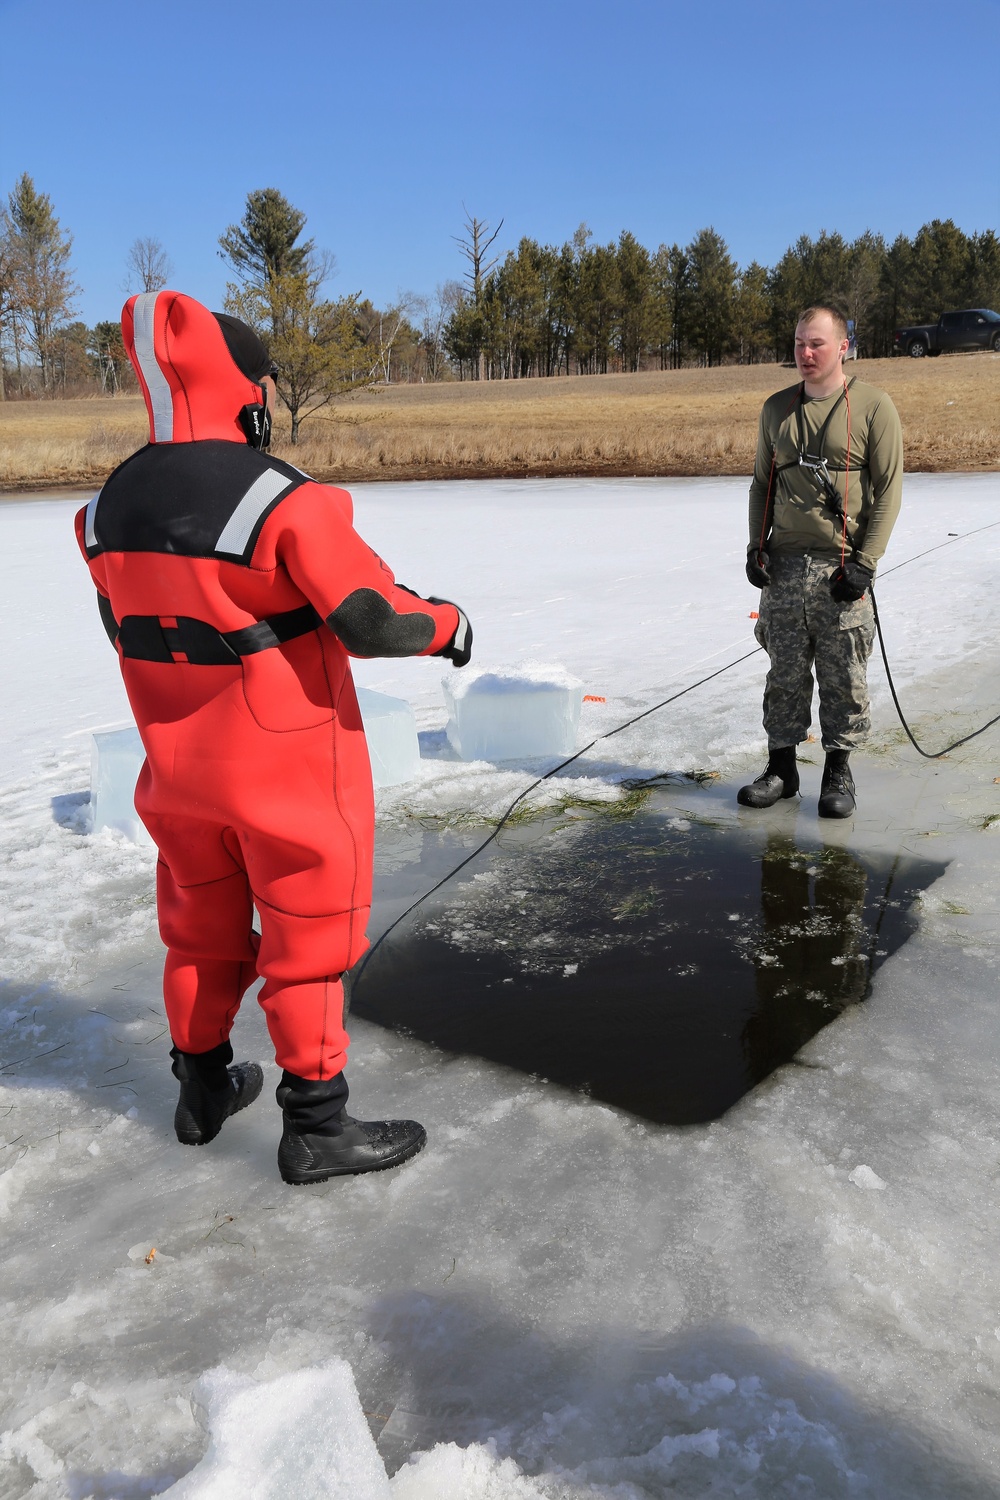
323,347
586,308
540,310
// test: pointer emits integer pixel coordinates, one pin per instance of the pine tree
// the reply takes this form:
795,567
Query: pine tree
712,284
751,311
263,244
940,266
42,287
677,294
315,343
635,280
984,270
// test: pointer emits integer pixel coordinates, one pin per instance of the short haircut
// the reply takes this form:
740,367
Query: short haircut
836,313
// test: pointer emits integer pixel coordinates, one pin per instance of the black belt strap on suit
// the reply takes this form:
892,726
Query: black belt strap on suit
144,638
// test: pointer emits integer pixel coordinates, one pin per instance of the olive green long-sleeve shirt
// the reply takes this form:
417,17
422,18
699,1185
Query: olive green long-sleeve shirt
803,519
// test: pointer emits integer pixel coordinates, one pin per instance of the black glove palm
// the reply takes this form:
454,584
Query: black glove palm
850,582
757,569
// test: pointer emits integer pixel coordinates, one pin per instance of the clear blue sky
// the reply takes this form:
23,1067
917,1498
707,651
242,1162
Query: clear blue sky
380,118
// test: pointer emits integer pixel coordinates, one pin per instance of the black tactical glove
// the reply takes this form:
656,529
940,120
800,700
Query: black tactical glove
850,581
757,568
459,648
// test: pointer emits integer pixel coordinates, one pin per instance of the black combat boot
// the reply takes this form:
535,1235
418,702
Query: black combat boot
321,1139
779,778
213,1087
836,793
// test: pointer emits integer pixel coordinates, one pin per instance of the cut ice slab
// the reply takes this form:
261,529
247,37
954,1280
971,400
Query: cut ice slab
116,759
391,732
506,713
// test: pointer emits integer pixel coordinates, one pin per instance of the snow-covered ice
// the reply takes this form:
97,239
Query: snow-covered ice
512,712
555,1299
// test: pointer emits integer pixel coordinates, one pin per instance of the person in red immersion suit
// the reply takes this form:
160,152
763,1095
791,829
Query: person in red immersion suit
234,588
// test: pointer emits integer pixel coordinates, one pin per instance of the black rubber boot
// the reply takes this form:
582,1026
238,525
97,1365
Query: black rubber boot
213,1087
836,793
321,1140
779,778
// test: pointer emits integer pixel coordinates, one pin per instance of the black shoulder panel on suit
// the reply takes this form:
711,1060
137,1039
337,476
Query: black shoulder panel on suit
204,499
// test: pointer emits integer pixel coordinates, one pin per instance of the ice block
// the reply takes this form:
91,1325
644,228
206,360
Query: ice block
391,732
115,762
117,757
507,713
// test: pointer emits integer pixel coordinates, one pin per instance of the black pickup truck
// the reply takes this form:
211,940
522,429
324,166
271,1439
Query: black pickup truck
973,328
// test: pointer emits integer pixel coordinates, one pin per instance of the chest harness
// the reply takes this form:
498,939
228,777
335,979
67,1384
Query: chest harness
815,465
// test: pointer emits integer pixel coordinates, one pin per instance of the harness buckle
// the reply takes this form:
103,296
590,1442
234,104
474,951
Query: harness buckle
819,471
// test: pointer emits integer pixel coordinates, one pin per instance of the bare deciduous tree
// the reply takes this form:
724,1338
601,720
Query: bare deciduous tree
148,266
435,313
380,329
474,247
6,290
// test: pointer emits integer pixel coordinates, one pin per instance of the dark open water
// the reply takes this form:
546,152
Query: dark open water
658,964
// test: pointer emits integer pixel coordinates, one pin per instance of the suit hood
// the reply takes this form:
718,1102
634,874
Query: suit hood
191,384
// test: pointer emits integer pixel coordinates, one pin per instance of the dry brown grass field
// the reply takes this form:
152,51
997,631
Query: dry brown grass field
677,422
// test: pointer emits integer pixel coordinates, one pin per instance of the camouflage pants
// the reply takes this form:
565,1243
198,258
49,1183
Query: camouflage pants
802,628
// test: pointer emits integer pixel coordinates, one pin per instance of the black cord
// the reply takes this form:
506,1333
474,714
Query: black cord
937,548
885,659
927,754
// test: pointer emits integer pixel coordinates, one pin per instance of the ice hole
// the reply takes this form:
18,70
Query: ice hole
603,957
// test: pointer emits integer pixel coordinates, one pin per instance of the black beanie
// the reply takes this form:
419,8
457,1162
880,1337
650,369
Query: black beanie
247,351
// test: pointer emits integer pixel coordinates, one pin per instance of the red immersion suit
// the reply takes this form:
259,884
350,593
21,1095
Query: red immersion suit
235,587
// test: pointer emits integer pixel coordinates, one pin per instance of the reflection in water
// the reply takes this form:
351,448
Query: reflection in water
813,957
657,964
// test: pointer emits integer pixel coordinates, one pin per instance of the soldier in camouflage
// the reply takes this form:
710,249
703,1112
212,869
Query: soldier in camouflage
825,494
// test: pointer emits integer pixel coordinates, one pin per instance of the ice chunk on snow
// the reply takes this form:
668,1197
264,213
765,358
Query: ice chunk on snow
303,1435
448,1472
115,762
504,713
391,732
864,1177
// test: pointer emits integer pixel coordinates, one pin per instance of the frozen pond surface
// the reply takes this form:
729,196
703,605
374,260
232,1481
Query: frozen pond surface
559,1297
